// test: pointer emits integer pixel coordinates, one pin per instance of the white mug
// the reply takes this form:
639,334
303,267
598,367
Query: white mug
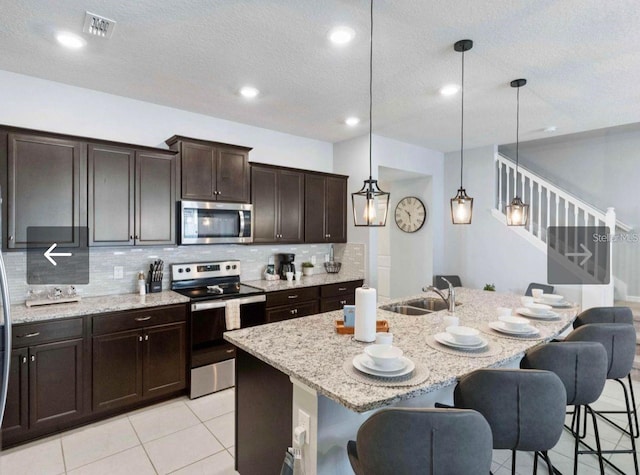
537,293
289,276
298,276
384,338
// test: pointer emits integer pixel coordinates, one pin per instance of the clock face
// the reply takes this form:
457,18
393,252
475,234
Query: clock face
411,214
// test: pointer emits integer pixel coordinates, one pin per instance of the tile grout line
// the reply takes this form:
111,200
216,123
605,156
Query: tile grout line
142,445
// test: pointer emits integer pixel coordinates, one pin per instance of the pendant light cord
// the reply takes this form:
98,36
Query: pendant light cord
462,124
517,134
371,93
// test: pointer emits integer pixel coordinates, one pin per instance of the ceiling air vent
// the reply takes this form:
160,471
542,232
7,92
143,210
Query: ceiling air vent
98,25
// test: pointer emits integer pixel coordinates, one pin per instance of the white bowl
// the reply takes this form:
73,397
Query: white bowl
383,355
526,300
536,293
554,298
464,335
514,323
538,308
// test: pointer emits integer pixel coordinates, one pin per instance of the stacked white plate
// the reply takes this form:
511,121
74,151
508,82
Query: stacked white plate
401,367
470,342
516,326
537,310
554,300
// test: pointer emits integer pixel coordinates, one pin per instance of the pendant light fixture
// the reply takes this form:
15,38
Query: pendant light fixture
370,204
517,210
462,204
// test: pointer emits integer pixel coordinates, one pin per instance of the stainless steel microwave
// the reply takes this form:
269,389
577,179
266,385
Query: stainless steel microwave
210,222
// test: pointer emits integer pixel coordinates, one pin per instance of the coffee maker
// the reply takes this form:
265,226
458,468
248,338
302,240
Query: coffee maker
286,264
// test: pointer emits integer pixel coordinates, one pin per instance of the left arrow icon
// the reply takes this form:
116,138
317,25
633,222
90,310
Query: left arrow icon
49,253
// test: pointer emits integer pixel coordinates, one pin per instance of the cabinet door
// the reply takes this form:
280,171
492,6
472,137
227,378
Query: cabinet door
155,199
16,414
198,171
336,303
232,177
315,205
165,367
302,309
56,383
111,195
264,196
46,187
117,369
336,209
290,206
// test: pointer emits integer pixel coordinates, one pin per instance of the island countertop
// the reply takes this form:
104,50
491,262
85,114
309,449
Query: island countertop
309,349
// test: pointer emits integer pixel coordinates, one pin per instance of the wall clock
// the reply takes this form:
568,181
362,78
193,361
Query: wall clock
411,214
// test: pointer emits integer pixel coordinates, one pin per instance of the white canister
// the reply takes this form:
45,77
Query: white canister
366,312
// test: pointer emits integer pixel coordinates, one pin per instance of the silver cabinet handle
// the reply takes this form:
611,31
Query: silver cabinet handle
341,289
140,338
343,302
230,351
33,358
292,296
146,338
24,359
142,319
28,335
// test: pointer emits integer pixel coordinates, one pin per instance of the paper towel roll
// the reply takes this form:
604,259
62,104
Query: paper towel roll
365,314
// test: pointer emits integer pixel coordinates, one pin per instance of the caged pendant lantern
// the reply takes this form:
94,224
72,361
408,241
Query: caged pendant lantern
517,210
462,204
370,204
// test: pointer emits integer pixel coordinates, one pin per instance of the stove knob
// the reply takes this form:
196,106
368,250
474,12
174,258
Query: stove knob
180,270
228,267
188,269
234,266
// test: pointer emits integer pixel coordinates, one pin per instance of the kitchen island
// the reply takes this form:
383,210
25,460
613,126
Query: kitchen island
300,365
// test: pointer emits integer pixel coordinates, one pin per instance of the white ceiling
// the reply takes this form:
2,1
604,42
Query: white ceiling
581,59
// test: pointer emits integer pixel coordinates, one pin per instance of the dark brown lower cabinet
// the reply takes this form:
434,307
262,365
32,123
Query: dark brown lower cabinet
142,363
46,388
302,309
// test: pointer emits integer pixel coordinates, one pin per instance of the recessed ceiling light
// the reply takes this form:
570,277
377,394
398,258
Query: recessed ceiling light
341,35
69,40
551,129
249,92
449,89
352,121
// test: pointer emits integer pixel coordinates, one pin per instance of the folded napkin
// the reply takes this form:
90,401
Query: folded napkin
232,314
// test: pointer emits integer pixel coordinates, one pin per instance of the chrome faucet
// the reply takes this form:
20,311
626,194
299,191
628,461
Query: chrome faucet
450,300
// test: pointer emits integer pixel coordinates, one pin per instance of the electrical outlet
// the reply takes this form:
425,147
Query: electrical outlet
118,272
304,420
313,260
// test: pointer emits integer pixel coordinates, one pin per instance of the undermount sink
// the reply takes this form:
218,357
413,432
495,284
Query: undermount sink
420,306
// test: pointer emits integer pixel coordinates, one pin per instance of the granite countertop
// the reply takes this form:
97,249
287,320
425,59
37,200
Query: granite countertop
307,281
93,305
310,350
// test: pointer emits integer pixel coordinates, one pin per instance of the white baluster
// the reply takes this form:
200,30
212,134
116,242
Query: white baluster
539,210
557,207
531,204
500,206
548,217
507,180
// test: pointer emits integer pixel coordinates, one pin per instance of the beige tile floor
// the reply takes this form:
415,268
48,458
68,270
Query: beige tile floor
196,437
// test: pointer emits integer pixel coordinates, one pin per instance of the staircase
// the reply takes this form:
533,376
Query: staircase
552,206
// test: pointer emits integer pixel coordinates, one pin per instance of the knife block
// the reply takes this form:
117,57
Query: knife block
155,287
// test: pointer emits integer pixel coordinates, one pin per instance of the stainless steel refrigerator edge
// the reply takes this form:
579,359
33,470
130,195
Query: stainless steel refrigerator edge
5,338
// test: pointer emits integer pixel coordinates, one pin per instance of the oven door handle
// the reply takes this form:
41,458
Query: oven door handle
198,306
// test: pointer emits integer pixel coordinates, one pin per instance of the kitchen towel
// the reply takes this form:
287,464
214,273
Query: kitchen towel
365,314
232,314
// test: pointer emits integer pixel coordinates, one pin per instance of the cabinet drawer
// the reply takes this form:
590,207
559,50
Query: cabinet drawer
343,288
129,320
288,297
29,334
336,303
292,311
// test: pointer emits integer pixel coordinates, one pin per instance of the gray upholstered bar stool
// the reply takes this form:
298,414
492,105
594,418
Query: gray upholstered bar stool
547,289
582,368
438,283
622,315
408,441
524,407
619,341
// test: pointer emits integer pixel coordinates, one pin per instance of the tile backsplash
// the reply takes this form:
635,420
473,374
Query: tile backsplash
253,259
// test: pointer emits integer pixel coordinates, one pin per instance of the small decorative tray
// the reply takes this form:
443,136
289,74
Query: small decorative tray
381,326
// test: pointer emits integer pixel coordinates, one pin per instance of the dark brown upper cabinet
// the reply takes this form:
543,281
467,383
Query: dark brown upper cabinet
46,187
277,195
325,208
212,171
131,196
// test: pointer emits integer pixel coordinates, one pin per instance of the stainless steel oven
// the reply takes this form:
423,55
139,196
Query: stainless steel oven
211,287
210,222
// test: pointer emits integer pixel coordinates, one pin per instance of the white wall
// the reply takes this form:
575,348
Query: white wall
35,103
351,157
487,251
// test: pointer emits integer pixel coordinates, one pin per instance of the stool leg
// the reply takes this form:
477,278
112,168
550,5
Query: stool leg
576,436
513,462
635,408
630,432
587,408
535,463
